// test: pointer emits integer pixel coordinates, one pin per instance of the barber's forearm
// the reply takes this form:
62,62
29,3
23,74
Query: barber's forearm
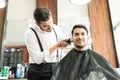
53,48
62,43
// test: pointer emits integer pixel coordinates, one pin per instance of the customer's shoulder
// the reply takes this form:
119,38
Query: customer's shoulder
93,52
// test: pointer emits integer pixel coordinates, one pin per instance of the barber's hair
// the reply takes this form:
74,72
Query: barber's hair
79,26
41,14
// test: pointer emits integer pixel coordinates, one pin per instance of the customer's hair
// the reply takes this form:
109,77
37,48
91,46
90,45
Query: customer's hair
41,14
79,26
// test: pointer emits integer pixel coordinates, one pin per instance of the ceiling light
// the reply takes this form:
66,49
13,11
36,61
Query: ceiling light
2,3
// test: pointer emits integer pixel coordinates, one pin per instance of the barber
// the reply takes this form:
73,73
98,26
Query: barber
44,42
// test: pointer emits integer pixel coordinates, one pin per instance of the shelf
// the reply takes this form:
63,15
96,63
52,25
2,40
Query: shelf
6,77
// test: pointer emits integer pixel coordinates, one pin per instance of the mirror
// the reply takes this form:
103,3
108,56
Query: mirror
115,18
70,14
20,17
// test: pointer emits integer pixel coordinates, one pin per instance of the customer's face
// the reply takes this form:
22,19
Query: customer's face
46,25
80,38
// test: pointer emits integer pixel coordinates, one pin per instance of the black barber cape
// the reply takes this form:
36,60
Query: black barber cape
84,65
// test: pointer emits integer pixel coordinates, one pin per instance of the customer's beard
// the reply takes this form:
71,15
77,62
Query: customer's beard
79,47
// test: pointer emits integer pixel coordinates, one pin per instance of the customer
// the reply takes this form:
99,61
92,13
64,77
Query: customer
82,63
46,52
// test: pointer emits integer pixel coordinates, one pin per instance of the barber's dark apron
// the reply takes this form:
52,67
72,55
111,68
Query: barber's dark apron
41,71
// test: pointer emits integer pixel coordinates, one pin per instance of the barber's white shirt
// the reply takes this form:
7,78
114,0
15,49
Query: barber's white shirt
47,39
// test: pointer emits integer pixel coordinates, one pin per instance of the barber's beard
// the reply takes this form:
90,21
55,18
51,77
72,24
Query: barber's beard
47,30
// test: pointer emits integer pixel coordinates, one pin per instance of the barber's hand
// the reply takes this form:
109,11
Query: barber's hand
63,43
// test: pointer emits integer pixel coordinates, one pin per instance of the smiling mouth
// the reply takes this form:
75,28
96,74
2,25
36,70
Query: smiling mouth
79,42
